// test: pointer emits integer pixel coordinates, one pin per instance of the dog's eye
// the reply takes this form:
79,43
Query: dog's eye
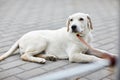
81,19
71,19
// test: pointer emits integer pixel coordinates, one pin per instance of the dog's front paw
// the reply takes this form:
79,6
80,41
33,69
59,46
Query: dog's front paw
51,58
42,61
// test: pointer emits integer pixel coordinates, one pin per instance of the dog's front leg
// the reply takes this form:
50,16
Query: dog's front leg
100,53
80,57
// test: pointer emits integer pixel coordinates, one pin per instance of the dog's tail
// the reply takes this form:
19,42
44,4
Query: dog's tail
10,51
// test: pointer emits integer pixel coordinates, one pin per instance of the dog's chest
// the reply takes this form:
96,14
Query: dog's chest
82,48
62,49
77,48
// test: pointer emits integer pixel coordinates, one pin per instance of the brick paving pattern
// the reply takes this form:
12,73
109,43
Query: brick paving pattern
20,16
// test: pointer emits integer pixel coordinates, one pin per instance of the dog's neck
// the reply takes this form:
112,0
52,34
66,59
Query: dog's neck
83,41
72,37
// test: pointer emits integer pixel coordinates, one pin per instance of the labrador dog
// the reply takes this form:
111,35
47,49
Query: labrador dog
57,44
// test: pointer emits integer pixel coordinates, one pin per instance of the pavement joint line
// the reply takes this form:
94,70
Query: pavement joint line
12,68
101,38
49,21
106,43
33,27
8,61
18,77
32,69
28,69
18,73
38,22
107,76
10,76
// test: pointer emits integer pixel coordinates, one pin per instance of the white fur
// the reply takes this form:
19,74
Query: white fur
60,43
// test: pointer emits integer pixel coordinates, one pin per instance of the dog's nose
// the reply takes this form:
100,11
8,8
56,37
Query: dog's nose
74,27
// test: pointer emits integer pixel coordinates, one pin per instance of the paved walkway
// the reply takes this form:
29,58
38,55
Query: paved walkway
20,16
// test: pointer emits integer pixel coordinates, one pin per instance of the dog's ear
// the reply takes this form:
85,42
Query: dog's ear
67,24
89,23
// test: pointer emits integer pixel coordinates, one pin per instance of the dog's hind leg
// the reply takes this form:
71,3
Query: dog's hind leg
32,58
47,57
32,49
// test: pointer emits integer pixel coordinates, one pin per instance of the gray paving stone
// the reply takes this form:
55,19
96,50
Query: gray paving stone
6,39
106,40
76,77
71,65
12,64
10,72
107,46
106,79
12,78
54,65
4,49
29,66
0,69
7,43
31,73
100,37
13,57
10,59
2,62
112,77
98,75
82,79
96,44
114,51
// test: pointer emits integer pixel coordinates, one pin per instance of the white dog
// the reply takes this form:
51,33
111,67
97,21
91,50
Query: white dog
57,44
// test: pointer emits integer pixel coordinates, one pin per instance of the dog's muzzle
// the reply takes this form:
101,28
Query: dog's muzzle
74,28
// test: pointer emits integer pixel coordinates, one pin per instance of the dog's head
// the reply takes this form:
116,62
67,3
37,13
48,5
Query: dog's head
79,23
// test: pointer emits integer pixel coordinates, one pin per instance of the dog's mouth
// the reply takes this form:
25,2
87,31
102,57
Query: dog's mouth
78,33
75,31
